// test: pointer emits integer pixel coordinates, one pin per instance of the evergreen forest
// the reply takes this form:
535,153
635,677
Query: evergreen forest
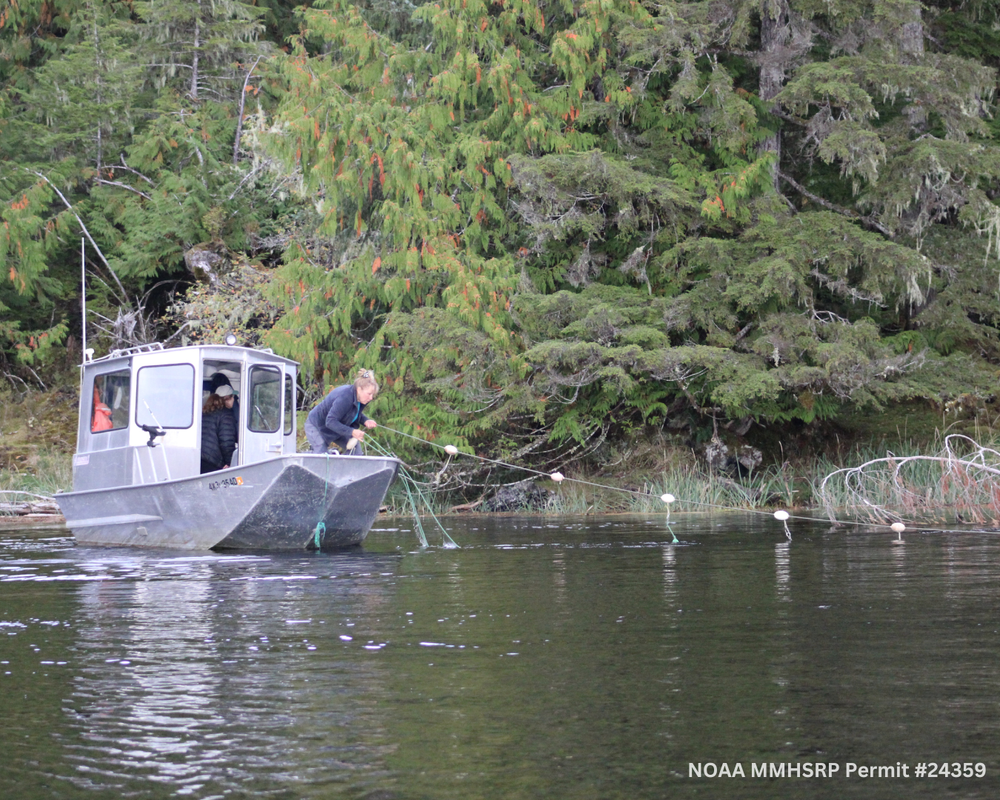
545,224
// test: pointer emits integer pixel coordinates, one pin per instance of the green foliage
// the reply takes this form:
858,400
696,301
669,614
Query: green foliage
543,224
194,44
99,141
626,170
28,289
410,153
234,303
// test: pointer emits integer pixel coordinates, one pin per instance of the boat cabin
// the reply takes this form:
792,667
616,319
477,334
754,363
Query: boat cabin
141,409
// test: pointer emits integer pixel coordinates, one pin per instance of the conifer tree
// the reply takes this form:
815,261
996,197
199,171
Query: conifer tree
542,223
66,97
134,145
782,310
196,44
702,207
402,150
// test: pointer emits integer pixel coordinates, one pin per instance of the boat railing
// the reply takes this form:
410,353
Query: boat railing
152,347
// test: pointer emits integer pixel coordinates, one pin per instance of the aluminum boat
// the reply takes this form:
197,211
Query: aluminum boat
137,468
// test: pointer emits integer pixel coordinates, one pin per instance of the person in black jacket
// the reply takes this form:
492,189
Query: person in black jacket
213,384
218,431
339,417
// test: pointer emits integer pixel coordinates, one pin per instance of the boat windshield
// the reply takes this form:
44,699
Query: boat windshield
265,395
165,396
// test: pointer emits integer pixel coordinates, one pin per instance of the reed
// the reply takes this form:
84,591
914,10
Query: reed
694,490
953,478
959,481
44,472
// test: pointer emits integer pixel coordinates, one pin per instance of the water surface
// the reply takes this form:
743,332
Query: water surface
547,658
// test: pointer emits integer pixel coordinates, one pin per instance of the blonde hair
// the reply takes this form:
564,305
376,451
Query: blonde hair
366,380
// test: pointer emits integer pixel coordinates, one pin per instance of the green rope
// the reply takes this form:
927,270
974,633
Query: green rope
319,533
412,488
671,527
320,530
448,541
421,535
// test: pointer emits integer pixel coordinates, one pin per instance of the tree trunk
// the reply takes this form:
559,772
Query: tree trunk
194,58
775,36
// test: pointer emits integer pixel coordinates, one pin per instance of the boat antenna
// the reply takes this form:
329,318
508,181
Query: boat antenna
83,294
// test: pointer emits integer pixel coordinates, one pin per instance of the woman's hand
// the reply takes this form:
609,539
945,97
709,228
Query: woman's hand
370,423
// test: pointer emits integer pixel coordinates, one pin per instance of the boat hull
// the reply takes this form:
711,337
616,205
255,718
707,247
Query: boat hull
290,502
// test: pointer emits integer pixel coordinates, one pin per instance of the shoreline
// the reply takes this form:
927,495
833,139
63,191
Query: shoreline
32,521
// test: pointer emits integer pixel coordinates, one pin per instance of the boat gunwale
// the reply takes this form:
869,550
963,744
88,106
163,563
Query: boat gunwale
228,470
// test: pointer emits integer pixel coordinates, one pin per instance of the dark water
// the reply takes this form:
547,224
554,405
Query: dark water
547,658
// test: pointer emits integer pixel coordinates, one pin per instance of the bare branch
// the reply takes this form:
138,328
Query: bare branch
83,227
868,222
121,185
239,116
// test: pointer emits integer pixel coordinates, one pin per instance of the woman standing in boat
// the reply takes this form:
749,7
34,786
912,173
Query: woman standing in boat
339,417
218,431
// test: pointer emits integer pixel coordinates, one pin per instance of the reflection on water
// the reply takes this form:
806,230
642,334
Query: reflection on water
583,658
202,674
170,679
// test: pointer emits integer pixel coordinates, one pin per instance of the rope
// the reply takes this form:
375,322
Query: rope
320,530
671,527
781,515
418,525
412,487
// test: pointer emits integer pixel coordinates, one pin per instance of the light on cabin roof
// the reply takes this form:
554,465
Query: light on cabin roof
231,339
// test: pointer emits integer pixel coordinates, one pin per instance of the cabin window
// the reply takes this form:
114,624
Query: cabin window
165,396
109,402
289,405
265,399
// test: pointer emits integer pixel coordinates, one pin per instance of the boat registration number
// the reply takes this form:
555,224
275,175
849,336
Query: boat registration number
224,483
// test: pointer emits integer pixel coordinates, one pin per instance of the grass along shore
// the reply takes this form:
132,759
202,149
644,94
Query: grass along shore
908,484
944,478
957,480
